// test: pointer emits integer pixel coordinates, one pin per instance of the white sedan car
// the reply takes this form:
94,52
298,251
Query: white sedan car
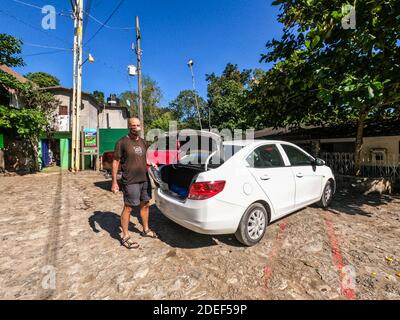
252,184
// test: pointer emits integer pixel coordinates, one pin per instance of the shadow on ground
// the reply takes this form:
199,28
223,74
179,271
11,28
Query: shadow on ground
105,185
351,203
110,222
168,231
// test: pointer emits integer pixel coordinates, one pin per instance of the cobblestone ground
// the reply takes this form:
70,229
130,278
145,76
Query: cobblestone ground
67,225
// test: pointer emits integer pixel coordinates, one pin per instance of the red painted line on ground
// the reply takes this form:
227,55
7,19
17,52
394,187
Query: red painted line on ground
276,245
337,257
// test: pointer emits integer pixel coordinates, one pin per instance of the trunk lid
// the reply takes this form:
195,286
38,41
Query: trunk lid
197,149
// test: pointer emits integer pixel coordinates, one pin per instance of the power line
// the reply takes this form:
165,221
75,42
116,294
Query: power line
10,15
107,26
37,7
27,4
43,53
44,46
99,3
108,19
85,21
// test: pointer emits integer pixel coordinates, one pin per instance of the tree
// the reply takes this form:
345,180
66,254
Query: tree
162,122
37,116
43,79
129,100
326,74
152,96
226,97
10,47
183,108
99,96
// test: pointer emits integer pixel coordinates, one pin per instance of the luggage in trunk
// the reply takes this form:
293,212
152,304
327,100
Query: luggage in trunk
199,151
176,179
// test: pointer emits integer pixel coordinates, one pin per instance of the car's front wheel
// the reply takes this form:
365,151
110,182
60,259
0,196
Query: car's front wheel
327,195
252,225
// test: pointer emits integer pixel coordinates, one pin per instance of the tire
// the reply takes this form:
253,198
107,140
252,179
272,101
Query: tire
327,195
256,215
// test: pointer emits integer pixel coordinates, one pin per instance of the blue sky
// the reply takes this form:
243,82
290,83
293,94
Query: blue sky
211,32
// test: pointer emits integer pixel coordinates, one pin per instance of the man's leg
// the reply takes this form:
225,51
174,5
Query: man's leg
125,219
144,214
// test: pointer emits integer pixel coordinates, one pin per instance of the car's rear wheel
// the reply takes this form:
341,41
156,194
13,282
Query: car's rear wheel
252,225
327,195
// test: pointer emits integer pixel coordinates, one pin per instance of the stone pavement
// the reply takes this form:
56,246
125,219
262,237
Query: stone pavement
59,239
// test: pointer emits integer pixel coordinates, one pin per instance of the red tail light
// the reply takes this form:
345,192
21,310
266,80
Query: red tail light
205,190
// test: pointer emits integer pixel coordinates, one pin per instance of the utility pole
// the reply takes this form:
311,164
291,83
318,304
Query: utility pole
139,72
73,104
77,83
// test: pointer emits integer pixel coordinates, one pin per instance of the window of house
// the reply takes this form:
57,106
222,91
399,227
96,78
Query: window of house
296,156
63,111
267,156
378,155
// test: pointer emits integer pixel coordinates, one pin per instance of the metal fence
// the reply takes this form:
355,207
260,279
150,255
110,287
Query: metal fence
344,164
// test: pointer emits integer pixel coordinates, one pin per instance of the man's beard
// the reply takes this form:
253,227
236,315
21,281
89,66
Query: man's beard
134,133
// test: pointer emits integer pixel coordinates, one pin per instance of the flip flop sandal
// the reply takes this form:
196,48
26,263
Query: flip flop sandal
151,235
128,243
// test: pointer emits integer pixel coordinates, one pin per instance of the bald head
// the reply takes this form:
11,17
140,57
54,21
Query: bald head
133,120
134,126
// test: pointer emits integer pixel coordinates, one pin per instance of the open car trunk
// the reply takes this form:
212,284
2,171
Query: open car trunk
176,179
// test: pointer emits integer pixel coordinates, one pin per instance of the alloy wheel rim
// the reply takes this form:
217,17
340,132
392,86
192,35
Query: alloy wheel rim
256,224
328,193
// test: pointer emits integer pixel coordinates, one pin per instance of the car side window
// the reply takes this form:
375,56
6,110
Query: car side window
267,156
296,156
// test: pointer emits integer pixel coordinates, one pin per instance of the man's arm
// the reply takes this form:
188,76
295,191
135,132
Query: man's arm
149,163
115,166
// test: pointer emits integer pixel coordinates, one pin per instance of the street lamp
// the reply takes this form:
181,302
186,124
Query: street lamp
190,65
89,58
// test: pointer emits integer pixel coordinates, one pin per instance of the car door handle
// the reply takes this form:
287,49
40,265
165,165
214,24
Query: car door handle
265,177
299,175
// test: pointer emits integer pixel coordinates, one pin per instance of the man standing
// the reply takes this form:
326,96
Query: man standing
130,152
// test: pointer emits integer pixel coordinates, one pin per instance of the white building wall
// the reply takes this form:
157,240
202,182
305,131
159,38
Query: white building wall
117,119
62,122
87,118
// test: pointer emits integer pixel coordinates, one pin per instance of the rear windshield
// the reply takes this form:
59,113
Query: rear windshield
162,144
201,156
230,150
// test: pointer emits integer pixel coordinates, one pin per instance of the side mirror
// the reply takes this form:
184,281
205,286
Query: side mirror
318,162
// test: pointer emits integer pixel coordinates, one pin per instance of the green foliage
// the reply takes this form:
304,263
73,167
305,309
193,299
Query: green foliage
227,97
43,79
10,47
162,122
36,117
152,96
34,100
25,122
99,96
132,105
325,74
183,109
